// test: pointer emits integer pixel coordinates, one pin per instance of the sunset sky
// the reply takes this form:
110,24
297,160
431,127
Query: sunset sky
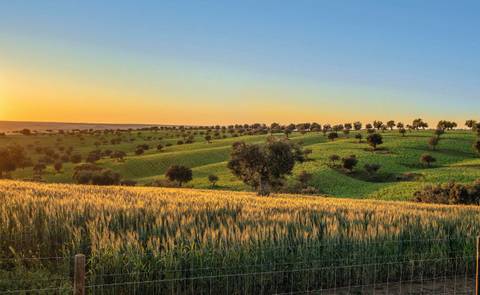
208,62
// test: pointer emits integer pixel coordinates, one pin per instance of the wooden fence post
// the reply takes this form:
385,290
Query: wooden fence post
79,275
477,273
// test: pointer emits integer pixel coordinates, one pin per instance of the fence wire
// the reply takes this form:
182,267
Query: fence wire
438,267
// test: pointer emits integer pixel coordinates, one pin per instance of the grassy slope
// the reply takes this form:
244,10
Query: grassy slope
456,161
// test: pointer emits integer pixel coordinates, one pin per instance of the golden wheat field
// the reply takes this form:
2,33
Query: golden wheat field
151,230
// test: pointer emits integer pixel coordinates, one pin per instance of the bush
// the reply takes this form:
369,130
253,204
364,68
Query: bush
372,168
76,158
359,137
427,159
334,158
349,163
94,156
92,174
58,166
128,183
450,193
332,136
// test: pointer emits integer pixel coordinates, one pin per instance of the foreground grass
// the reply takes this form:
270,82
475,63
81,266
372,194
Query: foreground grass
153,232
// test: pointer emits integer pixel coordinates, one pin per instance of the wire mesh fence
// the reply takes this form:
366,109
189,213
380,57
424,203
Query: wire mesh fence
430,266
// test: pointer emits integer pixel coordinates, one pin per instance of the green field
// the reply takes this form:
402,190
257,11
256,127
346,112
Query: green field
456,160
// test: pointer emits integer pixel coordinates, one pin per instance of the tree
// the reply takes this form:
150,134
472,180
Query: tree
349,163
359,137
208,138
58,166
357,125
139,151
11,158
212,178
369,128
433,142
391,124
470,123
264,167
326,128
378,124
332,136
427,159
418,123
476,128
402,131
25,132
274,127
476,146
439,132
179,174
400,125
315,127
374,140
93,156
446,125
287,132
118,155
307,153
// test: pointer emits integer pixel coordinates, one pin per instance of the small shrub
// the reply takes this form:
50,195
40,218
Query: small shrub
304,178
372,169
333,159
213,179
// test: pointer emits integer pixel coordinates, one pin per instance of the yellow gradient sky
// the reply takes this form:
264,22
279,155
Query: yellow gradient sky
206,63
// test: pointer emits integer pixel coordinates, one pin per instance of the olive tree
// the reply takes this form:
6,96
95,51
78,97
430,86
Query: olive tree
264,167
179,174
374,140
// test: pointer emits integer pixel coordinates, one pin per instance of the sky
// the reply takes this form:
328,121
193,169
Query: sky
223,62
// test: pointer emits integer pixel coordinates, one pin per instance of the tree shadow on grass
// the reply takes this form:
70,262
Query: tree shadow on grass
362,175
444,151
418,166
379,150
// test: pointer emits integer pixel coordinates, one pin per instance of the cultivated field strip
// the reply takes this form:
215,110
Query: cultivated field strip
142,234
